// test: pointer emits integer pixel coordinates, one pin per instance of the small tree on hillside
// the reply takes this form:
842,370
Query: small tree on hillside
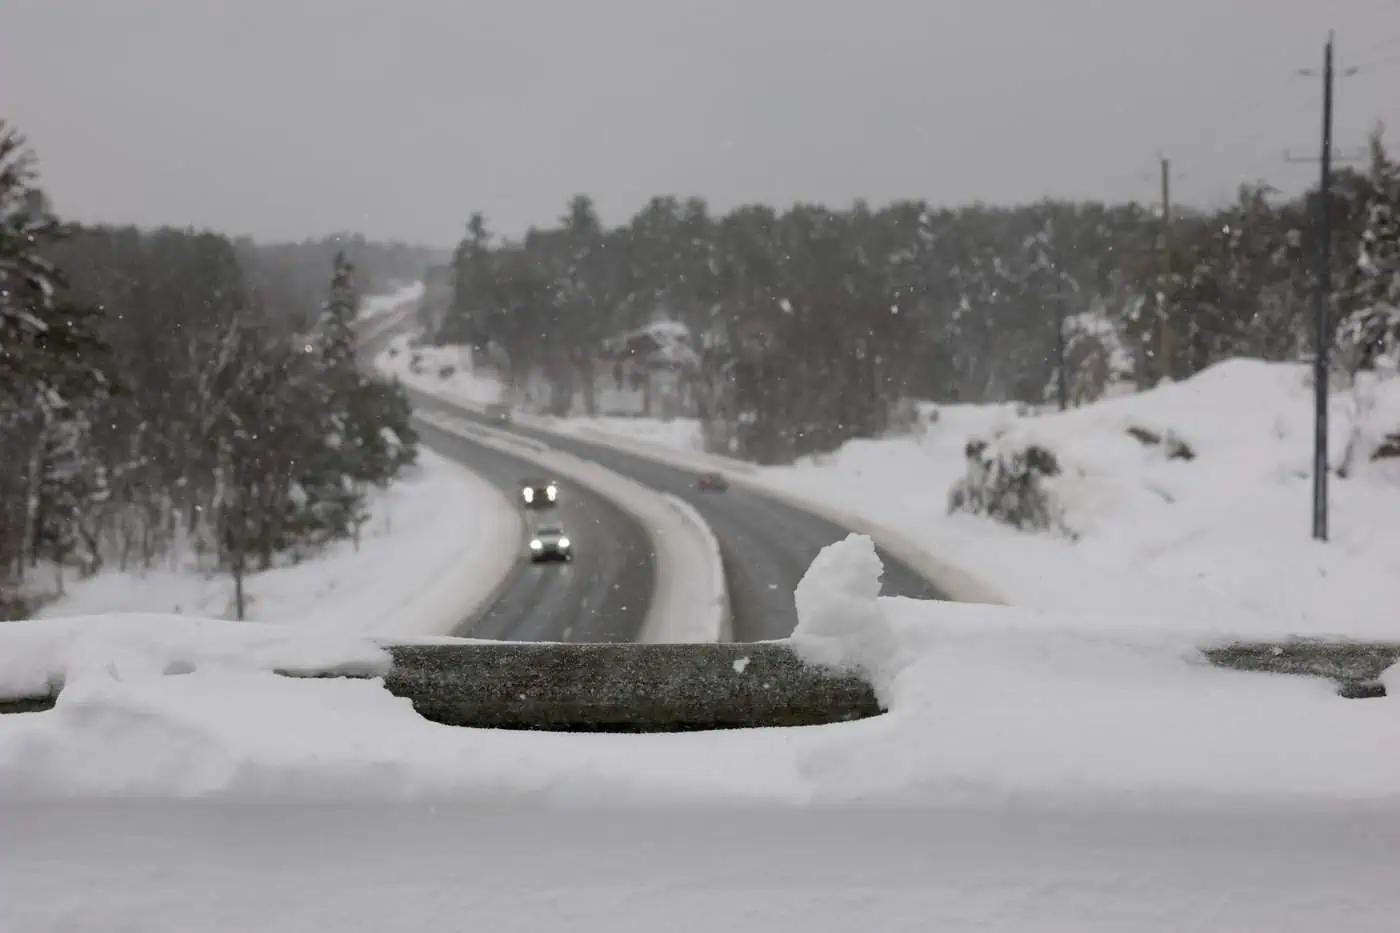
368,437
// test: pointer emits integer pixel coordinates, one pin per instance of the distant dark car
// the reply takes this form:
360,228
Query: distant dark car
712,482
550,544
539,493
498,413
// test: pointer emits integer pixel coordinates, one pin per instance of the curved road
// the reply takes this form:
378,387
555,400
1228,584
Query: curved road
767,545
602,595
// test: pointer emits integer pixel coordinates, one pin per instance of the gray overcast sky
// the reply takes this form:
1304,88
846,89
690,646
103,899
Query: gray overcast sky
290,118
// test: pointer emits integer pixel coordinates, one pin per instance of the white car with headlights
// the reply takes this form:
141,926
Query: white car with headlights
538,493
550,544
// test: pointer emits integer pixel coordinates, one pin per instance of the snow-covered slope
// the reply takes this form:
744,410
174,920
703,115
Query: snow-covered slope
438,542
1222,538
1225,535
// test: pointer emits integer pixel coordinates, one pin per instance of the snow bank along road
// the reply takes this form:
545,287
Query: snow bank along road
766,545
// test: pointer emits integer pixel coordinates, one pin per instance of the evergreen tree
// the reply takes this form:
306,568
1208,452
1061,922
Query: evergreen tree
50,375
1369,337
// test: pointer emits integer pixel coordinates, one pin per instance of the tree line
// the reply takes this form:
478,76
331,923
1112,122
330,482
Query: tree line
160,396
810,324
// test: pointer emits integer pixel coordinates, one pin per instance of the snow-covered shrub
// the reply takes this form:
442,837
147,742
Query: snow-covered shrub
1374,440
1006,481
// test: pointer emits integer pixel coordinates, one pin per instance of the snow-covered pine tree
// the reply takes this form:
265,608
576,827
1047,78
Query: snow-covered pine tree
368,437
1369,337
50,371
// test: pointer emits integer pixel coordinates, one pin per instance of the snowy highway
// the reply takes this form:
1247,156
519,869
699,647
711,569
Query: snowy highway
766,545
602,595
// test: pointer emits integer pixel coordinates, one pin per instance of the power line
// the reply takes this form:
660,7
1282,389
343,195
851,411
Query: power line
1374,64
1232,145
1378,45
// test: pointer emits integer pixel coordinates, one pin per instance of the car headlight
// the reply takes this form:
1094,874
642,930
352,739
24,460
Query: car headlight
536,544
529,494
551,491
564,543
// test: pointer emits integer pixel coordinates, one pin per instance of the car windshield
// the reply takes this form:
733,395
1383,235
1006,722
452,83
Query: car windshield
1053,349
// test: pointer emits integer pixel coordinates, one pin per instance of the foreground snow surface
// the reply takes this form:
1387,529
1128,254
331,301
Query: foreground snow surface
216,866
1035,771
438,542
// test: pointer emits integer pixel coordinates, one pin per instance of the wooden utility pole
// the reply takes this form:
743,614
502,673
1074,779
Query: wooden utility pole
1322,332
1168,345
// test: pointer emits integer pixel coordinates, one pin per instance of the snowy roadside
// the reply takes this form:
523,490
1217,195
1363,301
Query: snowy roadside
428,557
1221,540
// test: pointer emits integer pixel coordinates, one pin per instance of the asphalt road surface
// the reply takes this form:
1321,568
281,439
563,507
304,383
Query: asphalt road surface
766,545
601,596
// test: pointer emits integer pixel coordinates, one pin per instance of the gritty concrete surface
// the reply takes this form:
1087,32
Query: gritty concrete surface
624,688
1354,666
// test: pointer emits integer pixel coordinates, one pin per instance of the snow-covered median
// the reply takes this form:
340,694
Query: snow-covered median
438,543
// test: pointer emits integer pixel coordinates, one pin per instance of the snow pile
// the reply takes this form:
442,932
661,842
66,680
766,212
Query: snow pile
430,554
42,656
840,619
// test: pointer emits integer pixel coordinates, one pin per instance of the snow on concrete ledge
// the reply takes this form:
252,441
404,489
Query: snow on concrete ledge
41,656
988,707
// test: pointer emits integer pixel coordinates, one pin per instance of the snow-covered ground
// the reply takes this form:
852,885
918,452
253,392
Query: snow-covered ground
207,866
430,554
1222,540
1035,771
988,705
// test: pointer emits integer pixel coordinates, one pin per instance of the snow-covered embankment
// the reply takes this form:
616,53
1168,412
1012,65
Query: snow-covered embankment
428,558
